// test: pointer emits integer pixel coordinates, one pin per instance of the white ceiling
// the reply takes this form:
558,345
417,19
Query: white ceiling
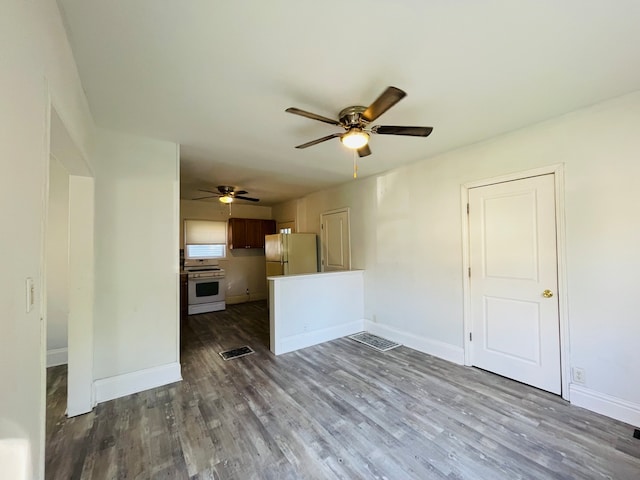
216,76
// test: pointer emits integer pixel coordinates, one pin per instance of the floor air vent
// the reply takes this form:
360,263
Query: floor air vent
374,341
236,353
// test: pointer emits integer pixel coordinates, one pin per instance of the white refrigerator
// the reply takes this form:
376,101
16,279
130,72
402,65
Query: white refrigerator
291,253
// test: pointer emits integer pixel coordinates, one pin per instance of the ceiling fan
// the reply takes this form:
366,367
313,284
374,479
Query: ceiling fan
227,194
355,120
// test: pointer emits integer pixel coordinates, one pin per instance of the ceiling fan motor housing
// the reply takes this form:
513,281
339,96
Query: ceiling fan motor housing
352,117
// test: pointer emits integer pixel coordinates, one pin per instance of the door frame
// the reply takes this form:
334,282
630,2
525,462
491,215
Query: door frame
557,171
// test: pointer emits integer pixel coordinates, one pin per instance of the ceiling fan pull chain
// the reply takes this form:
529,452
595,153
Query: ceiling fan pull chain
355,164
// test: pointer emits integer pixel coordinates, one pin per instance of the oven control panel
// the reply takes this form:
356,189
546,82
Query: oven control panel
206,274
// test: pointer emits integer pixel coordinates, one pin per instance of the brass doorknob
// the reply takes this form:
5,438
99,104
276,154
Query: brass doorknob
547,294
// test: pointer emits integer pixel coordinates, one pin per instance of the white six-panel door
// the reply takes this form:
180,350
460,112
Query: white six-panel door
513,281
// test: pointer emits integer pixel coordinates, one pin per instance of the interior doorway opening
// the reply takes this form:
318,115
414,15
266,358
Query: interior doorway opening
67,281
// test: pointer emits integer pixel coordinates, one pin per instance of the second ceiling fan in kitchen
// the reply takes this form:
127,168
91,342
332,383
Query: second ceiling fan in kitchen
227,194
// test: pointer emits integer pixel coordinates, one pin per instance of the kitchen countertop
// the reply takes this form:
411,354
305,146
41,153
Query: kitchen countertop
301,276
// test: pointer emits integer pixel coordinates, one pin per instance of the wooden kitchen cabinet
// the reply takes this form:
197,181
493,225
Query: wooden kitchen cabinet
237,233
266,227
248,232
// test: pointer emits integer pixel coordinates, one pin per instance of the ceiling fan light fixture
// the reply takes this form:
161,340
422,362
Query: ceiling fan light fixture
226,199
355,138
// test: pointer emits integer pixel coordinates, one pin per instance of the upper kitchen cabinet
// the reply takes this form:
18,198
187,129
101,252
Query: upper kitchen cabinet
249,232
258,231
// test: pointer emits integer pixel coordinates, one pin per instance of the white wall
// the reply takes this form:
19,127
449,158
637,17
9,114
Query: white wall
286,212
57,263
36,65
406,234
244,268
136,294
299,317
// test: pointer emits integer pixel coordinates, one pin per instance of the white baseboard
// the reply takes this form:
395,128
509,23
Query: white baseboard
234,299
604,404
422,344
57,356
308,339
121,385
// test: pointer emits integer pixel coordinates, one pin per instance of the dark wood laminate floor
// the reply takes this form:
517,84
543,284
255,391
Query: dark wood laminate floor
337,410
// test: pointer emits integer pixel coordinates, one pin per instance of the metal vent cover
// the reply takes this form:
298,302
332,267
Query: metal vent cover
374,341
236,353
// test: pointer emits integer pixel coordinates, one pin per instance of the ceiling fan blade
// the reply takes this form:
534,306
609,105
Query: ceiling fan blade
208,191
384,102
240,192
319,140
364,151
208,196
313,116
395,130
246,198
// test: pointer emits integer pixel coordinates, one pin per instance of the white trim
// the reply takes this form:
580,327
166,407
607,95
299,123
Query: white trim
563,283
42,351
509,177
426,345
558,171
176,247
121,385
604,404
57,356
466,285
309,339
